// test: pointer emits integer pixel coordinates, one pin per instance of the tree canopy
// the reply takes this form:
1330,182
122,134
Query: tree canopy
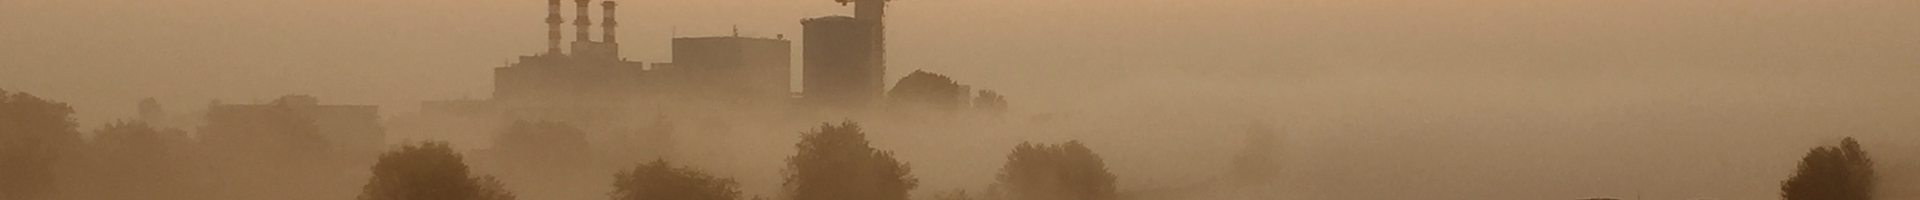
1832,173
136,161
836,163
660,181
928,90
1068,171
428,171
34,133
990,102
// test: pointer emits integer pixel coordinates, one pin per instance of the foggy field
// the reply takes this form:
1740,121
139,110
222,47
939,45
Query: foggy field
959,100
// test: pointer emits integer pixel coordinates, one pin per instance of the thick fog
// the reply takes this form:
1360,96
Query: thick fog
1370,99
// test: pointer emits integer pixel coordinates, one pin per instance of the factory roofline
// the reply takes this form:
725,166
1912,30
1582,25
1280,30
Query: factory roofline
828,18
780,38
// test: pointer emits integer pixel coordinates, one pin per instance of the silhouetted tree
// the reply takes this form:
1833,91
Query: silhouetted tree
135,161
151,112
34,133
1832,173
1066,171
428,171
492,189
990,102
660,181
836,163
927,90
1256,163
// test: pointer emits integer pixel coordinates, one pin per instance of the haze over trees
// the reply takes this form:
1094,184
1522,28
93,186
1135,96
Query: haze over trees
34,134
546,160
428,171
1257,162
259,151
544,143
990,102
1842,172
659,180
151,112
1066,171
135,160
274,134
835,162
654,140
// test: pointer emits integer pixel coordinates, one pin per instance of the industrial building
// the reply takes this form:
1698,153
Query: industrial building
345,129
591,80
737,70
843,71
840,70
593,73
845,64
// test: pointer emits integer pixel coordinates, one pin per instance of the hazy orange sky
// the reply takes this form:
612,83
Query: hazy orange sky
103,55
1677,98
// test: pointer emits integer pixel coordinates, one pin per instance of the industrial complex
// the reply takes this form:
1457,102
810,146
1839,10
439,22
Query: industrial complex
842,71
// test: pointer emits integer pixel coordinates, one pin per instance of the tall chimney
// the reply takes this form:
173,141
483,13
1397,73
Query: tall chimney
553,26
581,23
608,23
872,12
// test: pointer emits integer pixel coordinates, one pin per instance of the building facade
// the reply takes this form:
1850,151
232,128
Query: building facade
590,80
841,69
343,129
737,70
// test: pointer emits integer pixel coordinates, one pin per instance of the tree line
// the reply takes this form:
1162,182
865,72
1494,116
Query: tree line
43,156
42,151
833,162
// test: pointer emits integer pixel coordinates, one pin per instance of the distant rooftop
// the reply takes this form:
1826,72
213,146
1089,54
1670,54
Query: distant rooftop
776,37
828,18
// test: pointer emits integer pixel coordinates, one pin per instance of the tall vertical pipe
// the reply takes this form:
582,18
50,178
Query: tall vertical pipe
553,26
607,23
582,23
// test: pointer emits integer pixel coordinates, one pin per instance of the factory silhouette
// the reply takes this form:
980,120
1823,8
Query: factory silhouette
714,88
843,68
1147,100
560,116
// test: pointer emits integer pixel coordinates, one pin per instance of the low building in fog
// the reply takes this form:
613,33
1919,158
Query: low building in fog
736,70
346,129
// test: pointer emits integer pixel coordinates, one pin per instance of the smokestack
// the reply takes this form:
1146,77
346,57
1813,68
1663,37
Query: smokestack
872,12
553,26
608,23
581,23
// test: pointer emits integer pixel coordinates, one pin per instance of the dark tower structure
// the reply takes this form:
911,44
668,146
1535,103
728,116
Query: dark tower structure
837,71
553,27
581,22
607,23
872,12
592,72
583,45
844,63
